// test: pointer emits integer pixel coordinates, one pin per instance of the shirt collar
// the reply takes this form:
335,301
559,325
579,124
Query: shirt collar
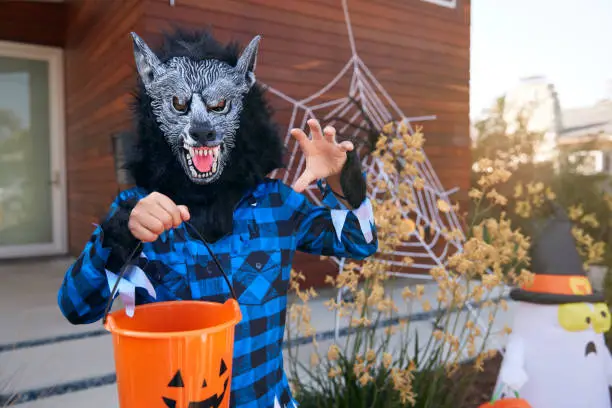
259,191
255,193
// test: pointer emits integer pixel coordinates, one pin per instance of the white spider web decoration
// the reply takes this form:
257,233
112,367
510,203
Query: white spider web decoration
335,107
346,116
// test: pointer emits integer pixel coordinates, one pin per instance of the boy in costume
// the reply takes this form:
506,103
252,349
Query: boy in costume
205,143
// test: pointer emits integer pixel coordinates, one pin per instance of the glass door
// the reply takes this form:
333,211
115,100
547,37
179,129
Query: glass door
32,187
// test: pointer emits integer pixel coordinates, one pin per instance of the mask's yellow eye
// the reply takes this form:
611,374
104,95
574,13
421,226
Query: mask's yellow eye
575,316
601,318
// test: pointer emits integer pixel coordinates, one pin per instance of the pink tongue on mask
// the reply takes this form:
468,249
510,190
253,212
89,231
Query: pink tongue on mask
203,163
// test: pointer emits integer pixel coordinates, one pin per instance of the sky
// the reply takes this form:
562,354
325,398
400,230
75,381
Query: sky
567,41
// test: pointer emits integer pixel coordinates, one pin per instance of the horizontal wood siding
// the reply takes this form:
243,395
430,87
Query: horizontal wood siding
417,50
99,78
33,23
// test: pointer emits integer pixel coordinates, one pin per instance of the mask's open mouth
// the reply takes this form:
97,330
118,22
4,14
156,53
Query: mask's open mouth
202,162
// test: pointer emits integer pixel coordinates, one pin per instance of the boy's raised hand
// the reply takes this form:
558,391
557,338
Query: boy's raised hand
155,214
324,156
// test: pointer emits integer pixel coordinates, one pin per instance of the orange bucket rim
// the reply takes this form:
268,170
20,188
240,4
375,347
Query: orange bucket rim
156,335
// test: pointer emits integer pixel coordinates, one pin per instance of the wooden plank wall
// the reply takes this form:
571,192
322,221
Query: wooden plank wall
417,50
33,23
99,77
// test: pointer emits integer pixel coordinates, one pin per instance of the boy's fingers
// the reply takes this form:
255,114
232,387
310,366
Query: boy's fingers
330,134
152,222
301,138
162,215
142,233
315,129
185,216
172,209
346,146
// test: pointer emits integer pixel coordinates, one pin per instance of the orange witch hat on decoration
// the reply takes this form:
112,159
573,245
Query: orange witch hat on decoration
557,266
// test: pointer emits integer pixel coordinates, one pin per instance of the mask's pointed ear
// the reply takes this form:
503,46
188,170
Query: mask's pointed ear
147,63
248,60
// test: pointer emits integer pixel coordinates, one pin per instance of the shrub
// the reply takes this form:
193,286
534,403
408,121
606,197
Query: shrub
378,366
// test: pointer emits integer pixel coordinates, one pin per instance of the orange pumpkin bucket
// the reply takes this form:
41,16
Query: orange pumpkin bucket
174,354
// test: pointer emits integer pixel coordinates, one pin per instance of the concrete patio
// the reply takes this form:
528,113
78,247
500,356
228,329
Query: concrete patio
47,362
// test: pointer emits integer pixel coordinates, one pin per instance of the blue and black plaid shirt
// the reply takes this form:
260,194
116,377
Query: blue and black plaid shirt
271,222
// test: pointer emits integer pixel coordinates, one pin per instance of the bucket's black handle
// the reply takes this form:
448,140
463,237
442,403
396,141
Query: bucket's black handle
131,257
121,273
214,257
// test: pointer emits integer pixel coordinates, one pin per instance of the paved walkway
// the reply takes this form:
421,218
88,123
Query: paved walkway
49,363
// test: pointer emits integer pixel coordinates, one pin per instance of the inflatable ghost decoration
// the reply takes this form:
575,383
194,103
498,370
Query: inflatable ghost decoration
556,356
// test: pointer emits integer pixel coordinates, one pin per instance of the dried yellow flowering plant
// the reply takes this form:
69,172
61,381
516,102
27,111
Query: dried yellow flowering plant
380,360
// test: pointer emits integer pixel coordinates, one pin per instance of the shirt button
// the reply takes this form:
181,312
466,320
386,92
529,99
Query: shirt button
258,265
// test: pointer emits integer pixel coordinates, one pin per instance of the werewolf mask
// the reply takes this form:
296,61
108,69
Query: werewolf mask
197,105
205,133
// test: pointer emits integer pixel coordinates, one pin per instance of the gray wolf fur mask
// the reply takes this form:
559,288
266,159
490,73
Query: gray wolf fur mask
205,134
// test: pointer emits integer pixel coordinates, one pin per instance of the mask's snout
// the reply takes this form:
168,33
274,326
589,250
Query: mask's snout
205,136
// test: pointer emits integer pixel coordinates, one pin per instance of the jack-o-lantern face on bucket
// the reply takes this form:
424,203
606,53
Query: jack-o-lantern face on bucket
213,401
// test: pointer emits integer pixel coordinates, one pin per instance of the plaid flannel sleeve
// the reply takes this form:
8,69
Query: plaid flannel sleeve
84,292
334,230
